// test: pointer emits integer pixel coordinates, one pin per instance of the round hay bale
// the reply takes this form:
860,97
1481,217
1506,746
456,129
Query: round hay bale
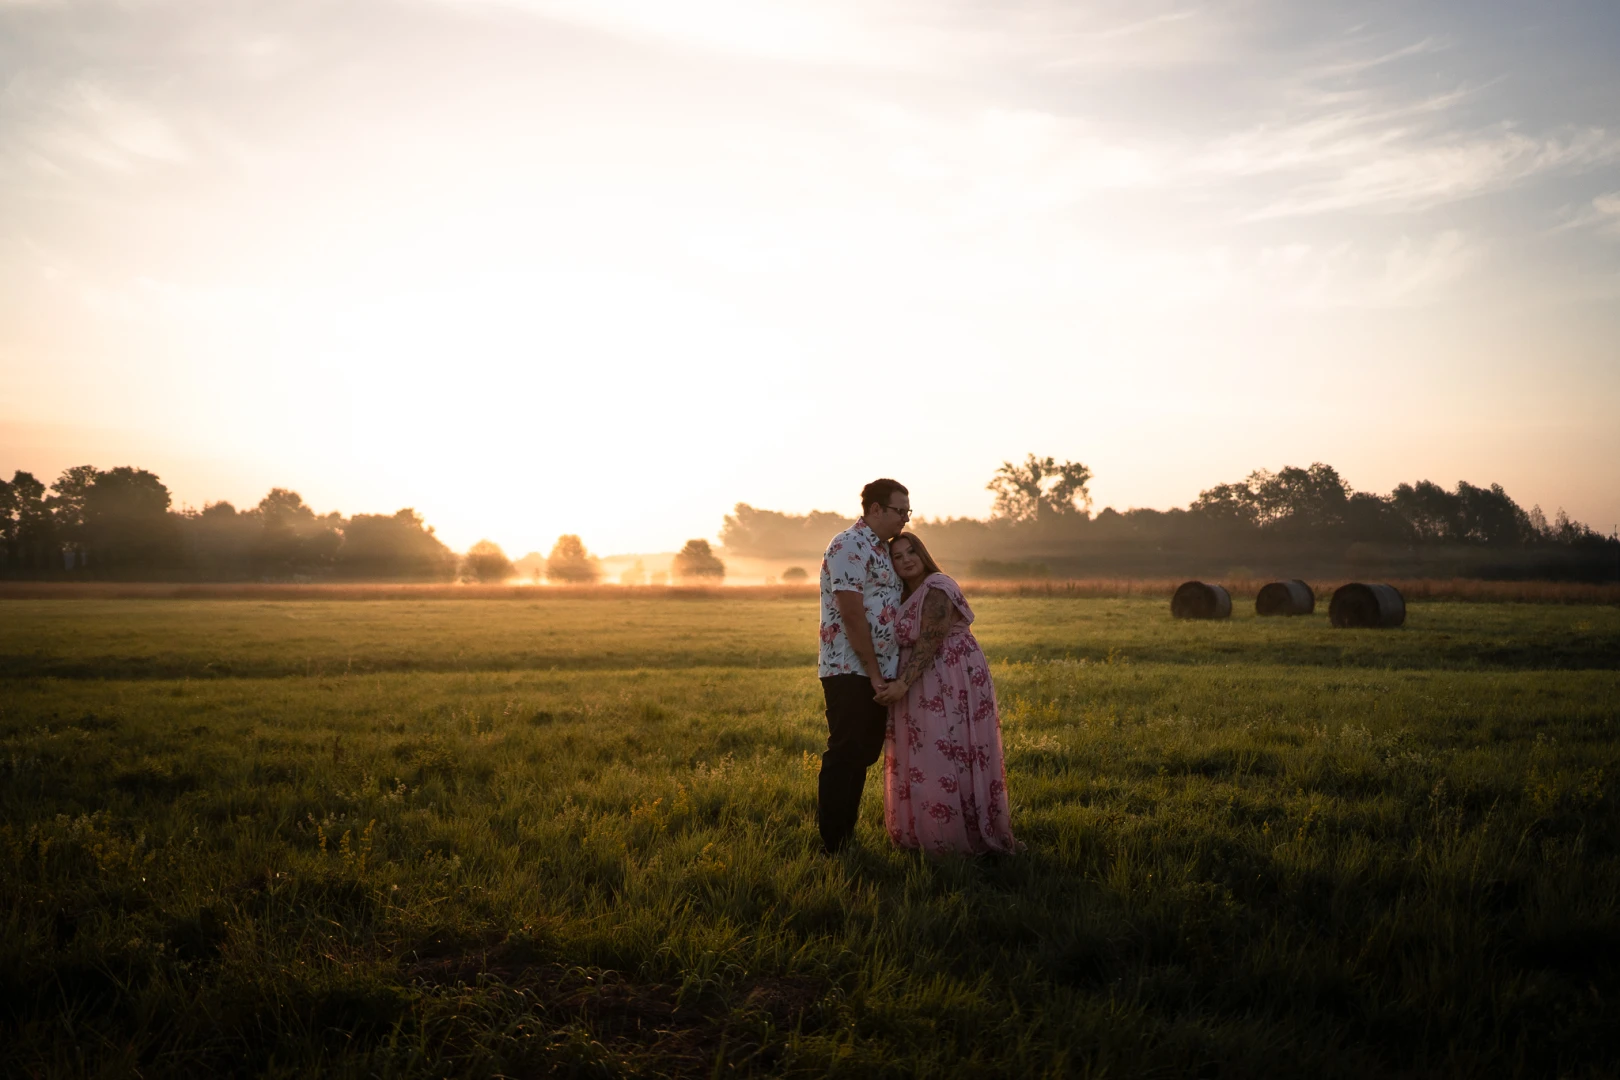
1369,606
1285,598
1196,600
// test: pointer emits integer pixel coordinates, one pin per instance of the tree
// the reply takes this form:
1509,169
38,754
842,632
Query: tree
67,501
1311,498
29,528
1372,518
1489,516
795,573
1568,531
1233,503
488,563
294,537
1539,529
1039,488
9,507
570,564
696,560
1304,498
220,542
126,522
773,534
384,547
1432,512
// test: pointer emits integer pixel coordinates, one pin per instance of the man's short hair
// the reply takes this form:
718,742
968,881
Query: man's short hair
880,492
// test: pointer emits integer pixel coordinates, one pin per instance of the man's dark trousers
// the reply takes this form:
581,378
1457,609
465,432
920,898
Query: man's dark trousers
855,727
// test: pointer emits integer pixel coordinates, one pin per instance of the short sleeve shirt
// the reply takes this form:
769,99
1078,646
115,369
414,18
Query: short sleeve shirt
858,561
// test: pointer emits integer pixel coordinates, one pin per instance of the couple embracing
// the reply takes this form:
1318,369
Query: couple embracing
903,677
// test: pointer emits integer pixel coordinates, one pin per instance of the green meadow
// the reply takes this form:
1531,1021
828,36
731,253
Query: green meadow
571,837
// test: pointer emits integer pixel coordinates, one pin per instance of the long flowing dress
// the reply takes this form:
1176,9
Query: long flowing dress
945,781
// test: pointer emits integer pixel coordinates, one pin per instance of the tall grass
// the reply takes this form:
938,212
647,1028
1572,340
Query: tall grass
1235,866
207,639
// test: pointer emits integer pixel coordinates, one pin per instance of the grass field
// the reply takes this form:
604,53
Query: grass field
574,836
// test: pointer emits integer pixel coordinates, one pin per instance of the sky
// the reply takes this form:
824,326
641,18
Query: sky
545,266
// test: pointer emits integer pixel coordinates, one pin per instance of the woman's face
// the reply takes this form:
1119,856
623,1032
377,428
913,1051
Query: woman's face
907,563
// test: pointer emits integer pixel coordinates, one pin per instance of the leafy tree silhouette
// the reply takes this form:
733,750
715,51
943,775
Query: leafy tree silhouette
570,564
126,522
1039,488
26,524
67,501
392,546
486,562
696,560
294,537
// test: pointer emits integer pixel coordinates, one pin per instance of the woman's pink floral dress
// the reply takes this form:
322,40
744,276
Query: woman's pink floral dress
945,784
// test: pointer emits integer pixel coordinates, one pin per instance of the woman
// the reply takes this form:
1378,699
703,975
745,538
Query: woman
945,786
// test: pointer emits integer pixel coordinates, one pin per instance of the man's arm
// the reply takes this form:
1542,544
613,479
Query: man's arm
852,609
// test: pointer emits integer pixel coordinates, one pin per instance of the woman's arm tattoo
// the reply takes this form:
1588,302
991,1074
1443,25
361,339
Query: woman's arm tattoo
936,623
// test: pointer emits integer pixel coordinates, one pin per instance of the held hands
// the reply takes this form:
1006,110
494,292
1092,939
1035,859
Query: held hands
892,693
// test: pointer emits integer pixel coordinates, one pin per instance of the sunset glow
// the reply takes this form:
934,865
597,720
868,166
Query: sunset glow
609,268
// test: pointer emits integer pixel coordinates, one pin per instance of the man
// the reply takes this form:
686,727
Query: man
860,599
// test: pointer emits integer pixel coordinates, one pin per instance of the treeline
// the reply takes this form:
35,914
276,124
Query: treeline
119,524
1294,521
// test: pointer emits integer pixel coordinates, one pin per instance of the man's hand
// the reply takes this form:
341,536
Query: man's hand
892,694
880,685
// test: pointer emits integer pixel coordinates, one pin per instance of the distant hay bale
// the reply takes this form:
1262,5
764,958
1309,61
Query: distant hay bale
1369,606
1285,598
1196,600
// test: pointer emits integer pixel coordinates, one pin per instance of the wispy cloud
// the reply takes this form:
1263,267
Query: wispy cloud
1391,172
831,32
1358,61
1601,216
1409,272
1012,130
1608,209
900,35
1359,130
80,122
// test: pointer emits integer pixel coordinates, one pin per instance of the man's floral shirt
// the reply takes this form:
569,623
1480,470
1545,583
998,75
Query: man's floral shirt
857,561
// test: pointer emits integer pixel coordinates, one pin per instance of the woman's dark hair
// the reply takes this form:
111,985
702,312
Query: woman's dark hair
922,553
880,492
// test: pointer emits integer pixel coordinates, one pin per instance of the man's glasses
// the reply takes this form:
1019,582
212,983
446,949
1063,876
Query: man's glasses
905,515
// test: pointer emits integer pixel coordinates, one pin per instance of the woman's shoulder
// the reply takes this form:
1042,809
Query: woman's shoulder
948,588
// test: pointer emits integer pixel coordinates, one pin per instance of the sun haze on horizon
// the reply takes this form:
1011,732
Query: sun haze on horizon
546,266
